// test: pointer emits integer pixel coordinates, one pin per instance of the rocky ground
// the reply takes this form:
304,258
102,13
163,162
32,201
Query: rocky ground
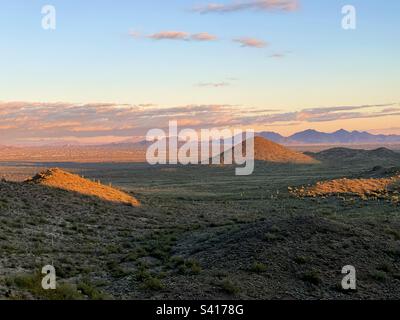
199,233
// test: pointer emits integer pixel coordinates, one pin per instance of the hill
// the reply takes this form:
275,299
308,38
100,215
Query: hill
381,156
382,188
380,172
57,178
268,151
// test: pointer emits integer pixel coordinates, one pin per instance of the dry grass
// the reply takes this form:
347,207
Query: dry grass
268,151
57,178
364,188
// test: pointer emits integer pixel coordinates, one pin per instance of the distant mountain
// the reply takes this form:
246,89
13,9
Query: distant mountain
338,137
272,136
308,137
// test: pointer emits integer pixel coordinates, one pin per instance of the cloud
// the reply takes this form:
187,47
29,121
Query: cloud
135,34
391,110
179,35
44,122
214,84
203,36
327,114
342,108
256,5
170,35
279,55
251,42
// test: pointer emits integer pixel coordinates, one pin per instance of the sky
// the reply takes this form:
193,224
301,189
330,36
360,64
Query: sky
111,70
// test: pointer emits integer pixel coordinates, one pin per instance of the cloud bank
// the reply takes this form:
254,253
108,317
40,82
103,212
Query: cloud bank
22,122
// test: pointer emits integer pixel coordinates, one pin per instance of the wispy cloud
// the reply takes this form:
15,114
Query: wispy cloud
199,37
257,5
203,36
251,42
177,35
343,108
313,115
135,34
279,54
214,84
170,35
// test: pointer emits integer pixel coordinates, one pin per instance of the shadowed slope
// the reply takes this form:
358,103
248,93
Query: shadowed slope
381,156
57,178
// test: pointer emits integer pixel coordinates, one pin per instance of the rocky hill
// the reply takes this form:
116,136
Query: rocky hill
57,178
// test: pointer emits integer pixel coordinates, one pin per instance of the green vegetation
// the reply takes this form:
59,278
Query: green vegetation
312,277
201,232
33,285
258,267
152,283
229,287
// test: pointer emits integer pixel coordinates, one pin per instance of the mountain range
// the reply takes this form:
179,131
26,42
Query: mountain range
310,137
337,137
307,137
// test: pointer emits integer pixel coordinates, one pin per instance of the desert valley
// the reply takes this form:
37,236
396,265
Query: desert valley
121,229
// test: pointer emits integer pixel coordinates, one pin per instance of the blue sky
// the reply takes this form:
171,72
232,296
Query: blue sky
310,61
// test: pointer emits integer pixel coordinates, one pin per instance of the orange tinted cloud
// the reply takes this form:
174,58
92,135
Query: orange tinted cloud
25,121
251,42
182,36
170,35
203,36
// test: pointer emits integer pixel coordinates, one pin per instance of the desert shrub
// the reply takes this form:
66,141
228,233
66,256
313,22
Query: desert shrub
33,284
312,277
271,237
91,291
229,287
116,270
301,260
113,248
142,274
193,266
190,266
130,257
379,275
258,267
394,233
152,283
177,260
385,267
